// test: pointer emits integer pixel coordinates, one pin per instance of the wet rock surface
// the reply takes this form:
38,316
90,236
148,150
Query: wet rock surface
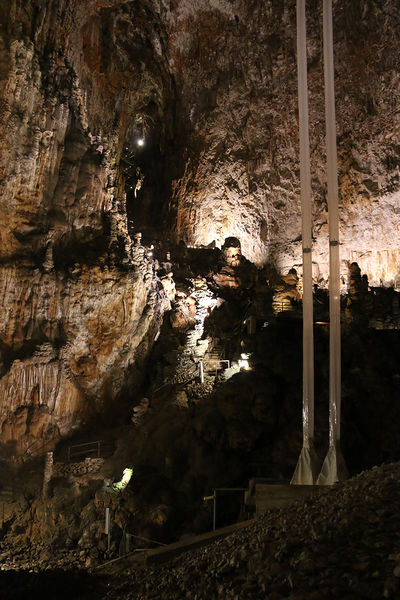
62,336
241,135
184,437
80,302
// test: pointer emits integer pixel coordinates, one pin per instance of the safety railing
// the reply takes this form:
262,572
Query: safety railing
217,365
36,448
83,450
214,499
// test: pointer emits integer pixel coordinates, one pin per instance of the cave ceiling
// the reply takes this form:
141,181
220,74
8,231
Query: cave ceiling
212,87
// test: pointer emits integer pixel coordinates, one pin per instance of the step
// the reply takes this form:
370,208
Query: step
278,495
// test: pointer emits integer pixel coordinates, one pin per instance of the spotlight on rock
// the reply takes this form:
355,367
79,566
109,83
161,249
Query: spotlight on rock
244,362
140,142
126,477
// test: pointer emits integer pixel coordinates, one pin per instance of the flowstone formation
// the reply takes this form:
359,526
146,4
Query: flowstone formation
80,303
341,544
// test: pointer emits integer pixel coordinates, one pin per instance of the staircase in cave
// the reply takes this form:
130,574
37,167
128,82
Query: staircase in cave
195,347
262,495
213,357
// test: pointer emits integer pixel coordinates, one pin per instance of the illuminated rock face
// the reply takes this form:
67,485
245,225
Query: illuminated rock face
79,303
236,65
73,339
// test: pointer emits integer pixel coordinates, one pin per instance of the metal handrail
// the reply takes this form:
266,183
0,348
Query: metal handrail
214,499
96,447
143,539
40,445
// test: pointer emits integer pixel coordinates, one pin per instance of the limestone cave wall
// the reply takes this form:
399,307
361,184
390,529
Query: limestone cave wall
235,65
80,305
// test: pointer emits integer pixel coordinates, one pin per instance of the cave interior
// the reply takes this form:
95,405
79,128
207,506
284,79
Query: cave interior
151,273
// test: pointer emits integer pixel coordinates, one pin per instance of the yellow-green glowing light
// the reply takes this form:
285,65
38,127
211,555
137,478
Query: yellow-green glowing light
126,477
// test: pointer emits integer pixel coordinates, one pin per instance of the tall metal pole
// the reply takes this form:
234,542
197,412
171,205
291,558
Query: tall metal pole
334,468
306,468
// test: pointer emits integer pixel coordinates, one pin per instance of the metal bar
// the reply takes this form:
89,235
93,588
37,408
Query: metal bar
86,448
85,444
214,498
143,539
333,223
231,489
107,521
306,471
306,209
334,468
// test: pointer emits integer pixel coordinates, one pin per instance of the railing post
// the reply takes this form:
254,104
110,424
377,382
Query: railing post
201,371
107,528
98,449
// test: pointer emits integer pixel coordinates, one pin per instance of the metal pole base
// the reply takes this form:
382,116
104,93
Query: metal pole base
334,468
307,468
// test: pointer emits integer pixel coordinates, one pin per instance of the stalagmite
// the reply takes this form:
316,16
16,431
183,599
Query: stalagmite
306,468
333,468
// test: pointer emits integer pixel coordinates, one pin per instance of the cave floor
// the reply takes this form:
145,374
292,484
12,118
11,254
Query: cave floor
343,544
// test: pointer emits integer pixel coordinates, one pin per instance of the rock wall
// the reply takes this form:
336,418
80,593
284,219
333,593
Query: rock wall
79,305
235,66
67,343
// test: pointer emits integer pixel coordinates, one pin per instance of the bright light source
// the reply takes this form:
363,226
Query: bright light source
244,362
140,142
126,477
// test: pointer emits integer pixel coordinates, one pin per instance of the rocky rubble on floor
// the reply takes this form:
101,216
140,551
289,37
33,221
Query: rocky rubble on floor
343,544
